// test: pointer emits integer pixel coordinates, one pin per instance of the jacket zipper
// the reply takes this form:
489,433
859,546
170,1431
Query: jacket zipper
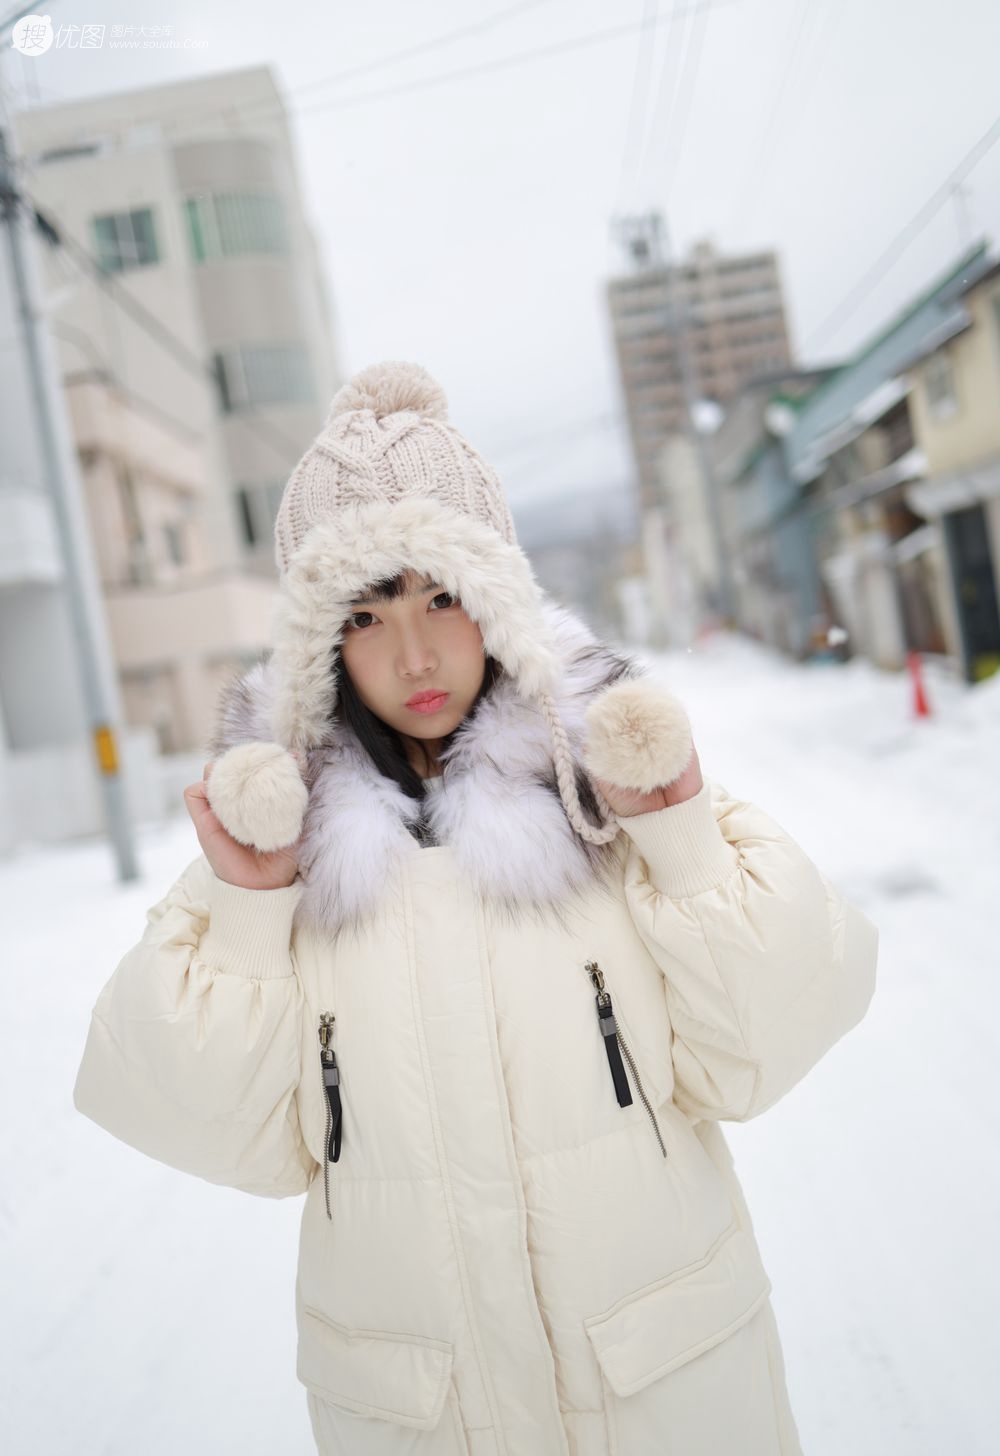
331,1093
615,1046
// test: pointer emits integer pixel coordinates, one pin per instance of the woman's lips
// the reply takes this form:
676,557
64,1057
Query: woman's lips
429,705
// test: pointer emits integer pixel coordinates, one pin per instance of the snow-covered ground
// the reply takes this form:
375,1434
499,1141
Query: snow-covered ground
145,1311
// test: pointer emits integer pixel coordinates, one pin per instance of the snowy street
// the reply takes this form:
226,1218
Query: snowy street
148,1312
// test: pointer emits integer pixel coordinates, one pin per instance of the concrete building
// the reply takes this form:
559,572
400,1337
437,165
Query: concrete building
824,483
878,559
180,624
727,312
854,451
766,549
955,409
197,363
188,197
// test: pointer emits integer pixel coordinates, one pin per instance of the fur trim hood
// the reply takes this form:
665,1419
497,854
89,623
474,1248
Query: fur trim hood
389,484
499,807
363,544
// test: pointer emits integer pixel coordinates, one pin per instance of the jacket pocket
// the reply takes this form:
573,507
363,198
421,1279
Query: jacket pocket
659,1328
404,1379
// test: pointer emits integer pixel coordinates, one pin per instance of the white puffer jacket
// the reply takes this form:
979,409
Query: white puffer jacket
531,1240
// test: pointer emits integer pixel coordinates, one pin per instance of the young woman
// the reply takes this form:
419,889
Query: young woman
475,959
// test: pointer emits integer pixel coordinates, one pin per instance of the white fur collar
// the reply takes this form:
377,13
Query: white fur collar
499,807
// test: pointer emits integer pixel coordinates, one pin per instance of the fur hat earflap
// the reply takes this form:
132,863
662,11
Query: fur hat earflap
639,736
258,796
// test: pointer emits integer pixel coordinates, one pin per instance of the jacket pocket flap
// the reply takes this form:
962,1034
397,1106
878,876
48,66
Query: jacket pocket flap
401,1378
649,1333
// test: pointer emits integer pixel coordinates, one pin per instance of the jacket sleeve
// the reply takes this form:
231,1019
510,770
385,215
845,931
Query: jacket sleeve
194,1049
765,963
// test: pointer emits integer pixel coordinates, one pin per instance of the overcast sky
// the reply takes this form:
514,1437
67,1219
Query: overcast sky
466,224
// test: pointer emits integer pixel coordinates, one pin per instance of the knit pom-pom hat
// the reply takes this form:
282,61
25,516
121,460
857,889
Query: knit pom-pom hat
389,485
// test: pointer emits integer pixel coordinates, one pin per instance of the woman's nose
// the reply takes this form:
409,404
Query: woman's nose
415,654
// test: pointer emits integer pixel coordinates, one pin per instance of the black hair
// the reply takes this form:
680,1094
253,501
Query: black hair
383,745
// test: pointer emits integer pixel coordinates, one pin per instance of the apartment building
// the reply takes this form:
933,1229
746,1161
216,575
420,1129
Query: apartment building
204,327
189,325
727,312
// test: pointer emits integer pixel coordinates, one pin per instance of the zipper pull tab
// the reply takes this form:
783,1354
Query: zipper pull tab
331,1086
331,1081
609,1031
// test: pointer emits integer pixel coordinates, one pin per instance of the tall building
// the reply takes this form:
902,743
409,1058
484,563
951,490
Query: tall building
727,312
188,194
189,328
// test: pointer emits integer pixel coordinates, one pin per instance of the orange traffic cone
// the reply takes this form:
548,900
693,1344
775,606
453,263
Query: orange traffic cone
921,707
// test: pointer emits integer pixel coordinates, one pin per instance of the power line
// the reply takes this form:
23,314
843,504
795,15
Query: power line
380,63
637,106
670,80
449,38
505,62
757,167
265,110
690,66
100,366
852,301
675,84
666,95
170,342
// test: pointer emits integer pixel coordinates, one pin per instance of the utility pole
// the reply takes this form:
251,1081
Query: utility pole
677,327
62,481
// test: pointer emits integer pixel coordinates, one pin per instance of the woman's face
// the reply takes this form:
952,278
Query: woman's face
419,648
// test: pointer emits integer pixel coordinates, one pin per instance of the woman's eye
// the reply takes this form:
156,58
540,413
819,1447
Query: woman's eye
449,599
353,619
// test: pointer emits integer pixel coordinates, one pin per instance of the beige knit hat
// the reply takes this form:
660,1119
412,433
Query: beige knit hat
387,438
389,484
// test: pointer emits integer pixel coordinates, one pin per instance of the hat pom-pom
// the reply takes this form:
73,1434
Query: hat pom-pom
257,794
639,736
389,388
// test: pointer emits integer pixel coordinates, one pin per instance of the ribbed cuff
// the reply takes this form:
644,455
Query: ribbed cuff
249,931
683,846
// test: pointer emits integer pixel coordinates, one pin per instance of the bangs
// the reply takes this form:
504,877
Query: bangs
392,588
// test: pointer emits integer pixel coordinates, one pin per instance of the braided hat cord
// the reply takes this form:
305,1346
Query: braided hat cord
563,760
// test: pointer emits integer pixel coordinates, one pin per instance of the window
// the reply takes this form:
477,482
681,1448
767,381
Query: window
71,153
248,521
939,386
173,536
253,375
125,240
234,224
256,510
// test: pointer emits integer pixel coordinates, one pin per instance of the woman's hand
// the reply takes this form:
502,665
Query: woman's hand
631,801
236,863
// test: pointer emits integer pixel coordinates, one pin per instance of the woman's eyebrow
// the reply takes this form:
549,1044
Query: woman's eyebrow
377,597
